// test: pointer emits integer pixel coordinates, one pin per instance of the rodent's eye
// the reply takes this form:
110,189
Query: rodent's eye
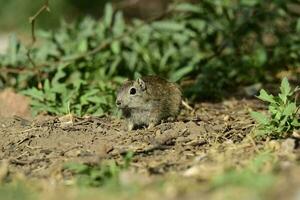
132,91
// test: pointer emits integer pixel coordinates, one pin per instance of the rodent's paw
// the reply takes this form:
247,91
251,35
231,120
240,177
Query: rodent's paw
151,125
130,126
170,119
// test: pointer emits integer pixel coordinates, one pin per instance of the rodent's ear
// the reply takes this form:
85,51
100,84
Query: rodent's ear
141,83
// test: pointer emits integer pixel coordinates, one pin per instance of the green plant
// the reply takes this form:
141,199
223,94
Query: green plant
74,95
283,113
106,173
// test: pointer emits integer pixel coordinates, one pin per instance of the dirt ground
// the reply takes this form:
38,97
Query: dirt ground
188,153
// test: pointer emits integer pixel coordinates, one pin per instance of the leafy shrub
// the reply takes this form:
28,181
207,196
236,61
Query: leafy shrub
283,113
217,44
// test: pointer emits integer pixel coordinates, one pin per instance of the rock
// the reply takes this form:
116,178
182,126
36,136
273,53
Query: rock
12,104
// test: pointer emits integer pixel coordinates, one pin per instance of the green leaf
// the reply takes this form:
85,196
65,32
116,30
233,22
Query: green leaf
260,118
108,14
168,54
34,93
283,98
295,123
188,7
114,66
77,167
298,26
59,74
168,26
277,116
83,45
47,86
273,109
12,50
116,47
290,109
260,57
263,95
60,89
199,24
177,75
285,89
119,24
283,123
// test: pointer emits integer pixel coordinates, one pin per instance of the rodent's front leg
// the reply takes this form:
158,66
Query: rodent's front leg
151,125
130,125
154,119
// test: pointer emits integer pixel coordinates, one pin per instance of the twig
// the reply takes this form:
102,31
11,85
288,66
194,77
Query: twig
33,18
147,150
20,70
32,148
27,162
19,162
187,106
28,137
70,149
24,70
31,129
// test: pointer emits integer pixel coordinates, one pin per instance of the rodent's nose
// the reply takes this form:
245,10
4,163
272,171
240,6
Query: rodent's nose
118,102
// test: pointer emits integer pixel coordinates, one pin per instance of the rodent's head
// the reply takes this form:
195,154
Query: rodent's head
131,94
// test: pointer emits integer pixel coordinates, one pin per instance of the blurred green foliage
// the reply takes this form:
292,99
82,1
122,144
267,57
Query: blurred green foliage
104,174
253,176
16,191
216,44
59,9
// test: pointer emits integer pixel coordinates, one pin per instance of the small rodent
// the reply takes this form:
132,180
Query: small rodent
148,100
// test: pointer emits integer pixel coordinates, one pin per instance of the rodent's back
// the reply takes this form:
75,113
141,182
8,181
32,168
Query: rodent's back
159,88
168,94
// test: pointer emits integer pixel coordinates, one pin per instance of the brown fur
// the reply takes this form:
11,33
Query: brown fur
155,100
